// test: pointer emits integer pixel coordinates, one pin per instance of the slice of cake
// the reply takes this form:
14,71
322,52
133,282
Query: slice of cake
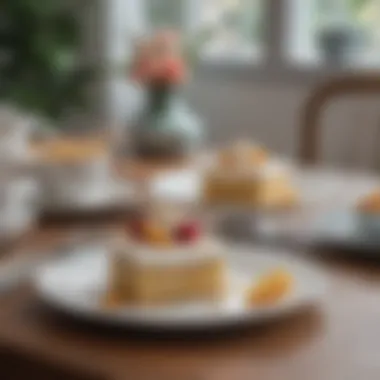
245,176
148,276
157,265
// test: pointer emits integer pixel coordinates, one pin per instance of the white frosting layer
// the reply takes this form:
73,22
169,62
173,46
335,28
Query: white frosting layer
186,254
274,168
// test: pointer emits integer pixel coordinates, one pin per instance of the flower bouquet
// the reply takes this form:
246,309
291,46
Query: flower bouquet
166,127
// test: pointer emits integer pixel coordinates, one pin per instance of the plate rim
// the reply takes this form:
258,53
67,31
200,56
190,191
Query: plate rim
241,316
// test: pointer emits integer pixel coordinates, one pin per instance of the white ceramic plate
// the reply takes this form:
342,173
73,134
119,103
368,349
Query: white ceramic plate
76,283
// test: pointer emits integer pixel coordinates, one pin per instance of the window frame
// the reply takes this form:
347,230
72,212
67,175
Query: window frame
277,63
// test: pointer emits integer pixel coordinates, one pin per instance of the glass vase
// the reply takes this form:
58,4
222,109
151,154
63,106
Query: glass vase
166,127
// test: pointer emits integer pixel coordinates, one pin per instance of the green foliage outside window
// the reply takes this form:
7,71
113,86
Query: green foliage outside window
39,50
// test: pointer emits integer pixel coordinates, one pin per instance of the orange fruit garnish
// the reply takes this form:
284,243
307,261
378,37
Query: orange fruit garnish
371,203
156,235
271,288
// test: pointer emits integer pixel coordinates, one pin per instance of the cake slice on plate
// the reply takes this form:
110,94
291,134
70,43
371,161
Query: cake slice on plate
146,275
245,175
156,264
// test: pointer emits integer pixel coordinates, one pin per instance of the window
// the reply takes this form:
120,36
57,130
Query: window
341,32
277,37
231,29
165,13
235,28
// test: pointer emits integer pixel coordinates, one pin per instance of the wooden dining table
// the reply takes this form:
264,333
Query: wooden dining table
338,339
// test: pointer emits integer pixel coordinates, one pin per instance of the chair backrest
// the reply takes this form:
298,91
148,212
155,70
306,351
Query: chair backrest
316,104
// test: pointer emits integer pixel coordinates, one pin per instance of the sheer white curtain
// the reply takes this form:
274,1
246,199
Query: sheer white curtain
300,43
124,20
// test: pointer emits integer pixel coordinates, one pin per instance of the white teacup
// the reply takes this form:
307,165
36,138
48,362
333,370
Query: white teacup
18,205
73,170
15,132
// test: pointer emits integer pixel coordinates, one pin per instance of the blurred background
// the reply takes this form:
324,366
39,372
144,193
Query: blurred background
261,74
259,62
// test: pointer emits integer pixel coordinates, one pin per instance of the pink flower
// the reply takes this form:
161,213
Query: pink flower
158,59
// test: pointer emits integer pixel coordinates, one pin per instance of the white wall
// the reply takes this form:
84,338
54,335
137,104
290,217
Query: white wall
271,114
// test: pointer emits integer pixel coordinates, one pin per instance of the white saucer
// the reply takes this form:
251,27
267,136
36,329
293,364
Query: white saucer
108,196
75,285
342,229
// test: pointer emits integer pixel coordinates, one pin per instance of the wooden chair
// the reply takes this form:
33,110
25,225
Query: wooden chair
315,105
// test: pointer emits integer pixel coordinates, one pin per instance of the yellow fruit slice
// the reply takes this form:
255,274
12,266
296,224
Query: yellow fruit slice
271,288
156,235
